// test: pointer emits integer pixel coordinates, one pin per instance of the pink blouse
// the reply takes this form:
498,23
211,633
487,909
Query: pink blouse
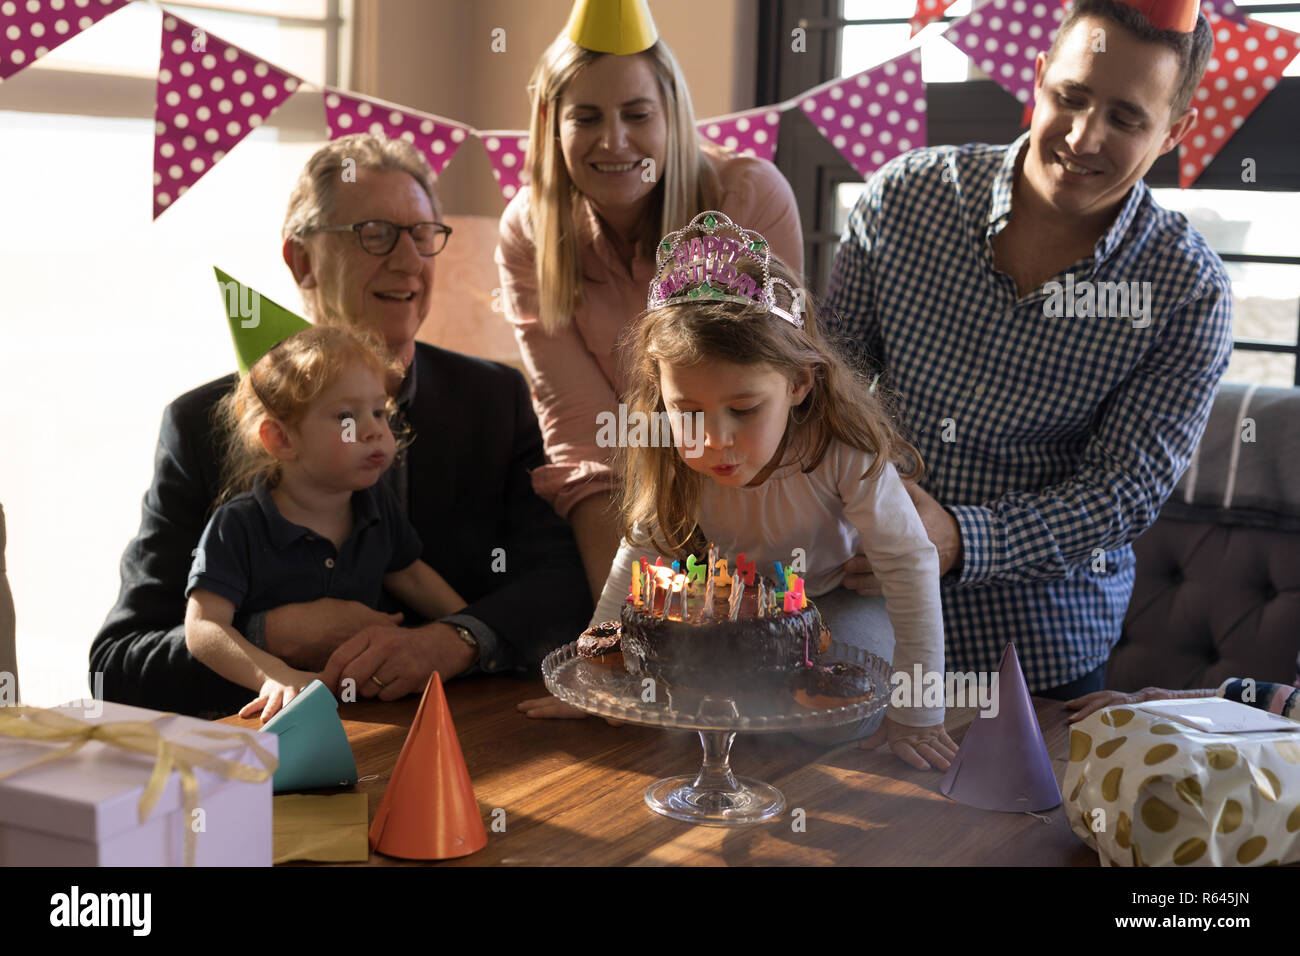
574,374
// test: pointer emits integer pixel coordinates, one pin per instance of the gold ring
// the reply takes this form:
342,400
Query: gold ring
377,681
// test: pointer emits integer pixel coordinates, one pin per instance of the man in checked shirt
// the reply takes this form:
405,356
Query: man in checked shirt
1052,431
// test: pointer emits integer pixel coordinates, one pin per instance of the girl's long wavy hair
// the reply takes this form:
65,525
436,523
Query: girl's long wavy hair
660,492
687,183
281,385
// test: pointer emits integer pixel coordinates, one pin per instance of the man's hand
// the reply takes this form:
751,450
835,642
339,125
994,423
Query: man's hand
1089,703
940,526
391,662
305,635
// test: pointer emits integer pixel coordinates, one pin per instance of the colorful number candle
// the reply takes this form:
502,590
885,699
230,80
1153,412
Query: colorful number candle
745,569
694,570
794,597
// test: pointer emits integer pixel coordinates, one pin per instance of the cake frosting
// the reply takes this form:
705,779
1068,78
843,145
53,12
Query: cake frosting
710,632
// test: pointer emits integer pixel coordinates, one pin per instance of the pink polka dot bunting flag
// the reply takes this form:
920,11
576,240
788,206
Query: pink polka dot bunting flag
438,138
873,116
1004,37
507,152
29,29
748,133
211,94
1244,68
927,11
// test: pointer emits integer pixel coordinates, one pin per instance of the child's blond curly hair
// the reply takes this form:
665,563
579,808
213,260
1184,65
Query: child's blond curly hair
281,385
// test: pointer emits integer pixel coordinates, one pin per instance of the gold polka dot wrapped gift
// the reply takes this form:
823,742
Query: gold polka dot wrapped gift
1143,789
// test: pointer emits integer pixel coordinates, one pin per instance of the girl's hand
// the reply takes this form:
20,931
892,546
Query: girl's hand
551,708
915,745
276,692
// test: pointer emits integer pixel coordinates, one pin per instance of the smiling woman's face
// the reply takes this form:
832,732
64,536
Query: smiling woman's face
612,118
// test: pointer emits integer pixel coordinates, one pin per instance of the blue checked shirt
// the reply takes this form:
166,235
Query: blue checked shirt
1054,441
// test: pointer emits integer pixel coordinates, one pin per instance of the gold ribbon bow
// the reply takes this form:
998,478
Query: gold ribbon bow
39,724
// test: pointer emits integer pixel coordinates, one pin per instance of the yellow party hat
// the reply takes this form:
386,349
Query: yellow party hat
612,26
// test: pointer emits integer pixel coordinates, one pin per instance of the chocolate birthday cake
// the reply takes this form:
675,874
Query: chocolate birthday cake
718,635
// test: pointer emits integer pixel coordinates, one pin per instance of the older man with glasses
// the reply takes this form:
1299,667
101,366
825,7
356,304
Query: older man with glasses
464,482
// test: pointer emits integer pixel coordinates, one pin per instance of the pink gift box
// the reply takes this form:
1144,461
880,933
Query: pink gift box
84,809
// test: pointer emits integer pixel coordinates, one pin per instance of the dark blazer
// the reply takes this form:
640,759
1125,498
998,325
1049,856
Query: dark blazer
476,438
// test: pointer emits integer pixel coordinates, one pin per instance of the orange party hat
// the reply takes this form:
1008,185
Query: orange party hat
428,811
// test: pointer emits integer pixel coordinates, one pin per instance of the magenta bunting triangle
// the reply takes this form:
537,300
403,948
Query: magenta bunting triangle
508,153
873,116
436,136
748,133
1002,763
211,94
29,29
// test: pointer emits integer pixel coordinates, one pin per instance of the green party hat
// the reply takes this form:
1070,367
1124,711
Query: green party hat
256,323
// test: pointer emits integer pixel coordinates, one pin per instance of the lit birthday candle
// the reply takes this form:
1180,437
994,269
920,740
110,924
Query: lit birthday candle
706,612
681,586
636,584
760,596
665,576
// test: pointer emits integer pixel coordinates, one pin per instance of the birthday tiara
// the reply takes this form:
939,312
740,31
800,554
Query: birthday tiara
703,259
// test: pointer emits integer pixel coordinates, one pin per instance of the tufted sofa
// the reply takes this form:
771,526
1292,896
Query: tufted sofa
1217,593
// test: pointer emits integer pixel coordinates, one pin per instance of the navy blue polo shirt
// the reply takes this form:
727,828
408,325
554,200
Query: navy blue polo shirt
254,557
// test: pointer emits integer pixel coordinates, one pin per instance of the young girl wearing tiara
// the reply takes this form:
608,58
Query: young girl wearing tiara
304,514
797,453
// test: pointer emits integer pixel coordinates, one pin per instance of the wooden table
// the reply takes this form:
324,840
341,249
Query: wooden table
573,792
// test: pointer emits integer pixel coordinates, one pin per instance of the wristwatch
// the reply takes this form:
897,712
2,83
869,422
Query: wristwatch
466,635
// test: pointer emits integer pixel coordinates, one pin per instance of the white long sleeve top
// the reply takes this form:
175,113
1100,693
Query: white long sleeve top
832,514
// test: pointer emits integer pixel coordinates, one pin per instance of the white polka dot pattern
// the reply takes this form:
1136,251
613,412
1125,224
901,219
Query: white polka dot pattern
211,95
1245,67
1004,37
507,152
749,133
29,29
873,116
436,137
927,11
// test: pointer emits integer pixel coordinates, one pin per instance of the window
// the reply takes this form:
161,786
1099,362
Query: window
109,315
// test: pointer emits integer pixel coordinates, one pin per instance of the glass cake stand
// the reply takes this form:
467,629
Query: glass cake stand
714,796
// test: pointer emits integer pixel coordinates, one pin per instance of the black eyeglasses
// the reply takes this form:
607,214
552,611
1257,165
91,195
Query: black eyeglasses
379,238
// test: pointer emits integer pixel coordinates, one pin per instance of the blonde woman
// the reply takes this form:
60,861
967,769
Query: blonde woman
615,163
